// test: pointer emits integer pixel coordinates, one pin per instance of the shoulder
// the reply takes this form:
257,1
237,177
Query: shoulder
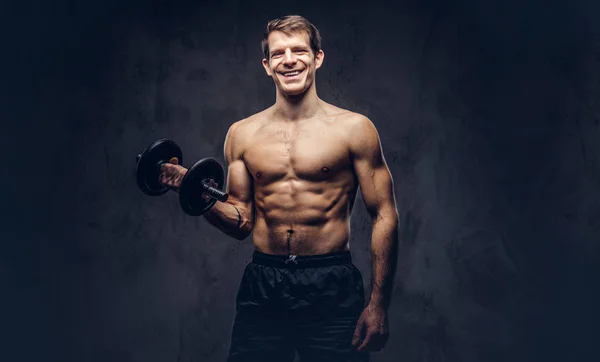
358,131
357,128
243,129
362,135
239,133
358,123
349,120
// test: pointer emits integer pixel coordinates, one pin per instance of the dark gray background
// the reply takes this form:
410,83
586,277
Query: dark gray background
488,113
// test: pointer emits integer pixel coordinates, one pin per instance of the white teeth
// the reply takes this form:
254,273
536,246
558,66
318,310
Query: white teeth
291,74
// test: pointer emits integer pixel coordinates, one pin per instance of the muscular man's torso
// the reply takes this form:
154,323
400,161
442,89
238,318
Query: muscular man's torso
304,182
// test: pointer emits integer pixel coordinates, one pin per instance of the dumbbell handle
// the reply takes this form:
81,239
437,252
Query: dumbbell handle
215,193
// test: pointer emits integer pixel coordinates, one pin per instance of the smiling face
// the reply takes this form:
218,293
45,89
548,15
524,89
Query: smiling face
292,64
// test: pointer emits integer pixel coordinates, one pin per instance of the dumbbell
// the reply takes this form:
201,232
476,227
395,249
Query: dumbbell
194,183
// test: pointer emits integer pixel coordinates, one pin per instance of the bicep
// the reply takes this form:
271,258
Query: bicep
239,181
374,177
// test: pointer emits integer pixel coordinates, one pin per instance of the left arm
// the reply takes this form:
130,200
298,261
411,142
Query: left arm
377,190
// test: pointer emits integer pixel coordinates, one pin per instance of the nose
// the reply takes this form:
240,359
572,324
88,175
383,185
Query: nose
289,57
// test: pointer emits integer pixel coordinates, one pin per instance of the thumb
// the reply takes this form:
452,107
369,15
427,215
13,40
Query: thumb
174,160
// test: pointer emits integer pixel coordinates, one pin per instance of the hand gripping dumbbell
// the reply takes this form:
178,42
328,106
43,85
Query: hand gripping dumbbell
194,183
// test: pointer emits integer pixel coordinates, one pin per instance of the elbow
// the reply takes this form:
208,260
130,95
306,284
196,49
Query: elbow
384,213
243,232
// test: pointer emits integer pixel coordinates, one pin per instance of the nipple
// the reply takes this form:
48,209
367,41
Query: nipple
325,169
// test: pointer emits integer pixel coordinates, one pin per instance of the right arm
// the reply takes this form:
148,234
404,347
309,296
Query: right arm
235,217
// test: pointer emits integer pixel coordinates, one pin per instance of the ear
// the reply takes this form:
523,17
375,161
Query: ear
319,57
265,64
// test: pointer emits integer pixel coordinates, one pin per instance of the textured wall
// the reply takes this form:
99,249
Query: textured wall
489,120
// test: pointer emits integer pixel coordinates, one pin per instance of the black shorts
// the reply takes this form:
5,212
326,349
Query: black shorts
308,304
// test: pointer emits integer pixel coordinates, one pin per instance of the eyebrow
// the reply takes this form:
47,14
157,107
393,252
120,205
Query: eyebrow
296,47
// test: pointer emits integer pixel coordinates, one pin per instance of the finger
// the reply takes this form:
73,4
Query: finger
364,346
358,333
174,160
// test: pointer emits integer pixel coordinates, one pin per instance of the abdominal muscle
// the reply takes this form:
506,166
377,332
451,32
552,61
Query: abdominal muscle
302,218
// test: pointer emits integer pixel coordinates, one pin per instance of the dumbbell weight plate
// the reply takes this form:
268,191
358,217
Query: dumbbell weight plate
149,162
190,191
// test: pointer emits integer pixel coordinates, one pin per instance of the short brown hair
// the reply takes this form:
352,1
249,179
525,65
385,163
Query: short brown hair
291,24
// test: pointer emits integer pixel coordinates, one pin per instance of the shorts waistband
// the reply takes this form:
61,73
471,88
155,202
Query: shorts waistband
302,261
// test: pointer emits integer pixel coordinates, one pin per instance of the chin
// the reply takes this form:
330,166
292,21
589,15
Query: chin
294,91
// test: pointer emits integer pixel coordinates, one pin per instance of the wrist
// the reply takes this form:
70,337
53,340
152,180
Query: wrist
377,302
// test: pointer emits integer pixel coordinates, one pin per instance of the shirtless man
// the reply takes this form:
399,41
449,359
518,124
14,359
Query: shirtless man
293,174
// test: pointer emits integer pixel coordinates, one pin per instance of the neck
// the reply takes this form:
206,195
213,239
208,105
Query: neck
297,107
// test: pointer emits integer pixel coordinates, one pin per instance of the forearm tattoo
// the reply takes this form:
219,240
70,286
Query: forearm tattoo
239,216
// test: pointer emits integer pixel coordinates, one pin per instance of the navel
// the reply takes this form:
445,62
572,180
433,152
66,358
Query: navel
258,175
